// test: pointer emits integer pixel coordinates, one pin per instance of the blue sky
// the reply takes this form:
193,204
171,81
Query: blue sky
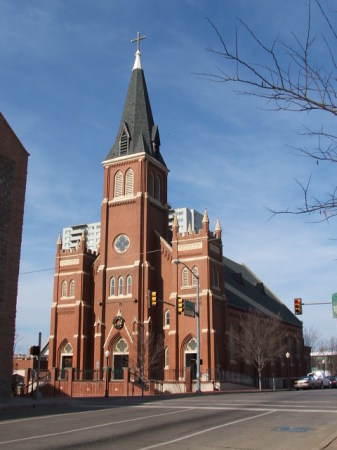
65,67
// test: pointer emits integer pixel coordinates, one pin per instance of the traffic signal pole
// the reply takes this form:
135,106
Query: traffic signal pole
298,303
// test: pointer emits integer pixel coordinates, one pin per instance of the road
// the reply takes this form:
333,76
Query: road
267,420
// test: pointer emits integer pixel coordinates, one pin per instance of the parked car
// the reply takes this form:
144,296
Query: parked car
320,380
307,382
333,381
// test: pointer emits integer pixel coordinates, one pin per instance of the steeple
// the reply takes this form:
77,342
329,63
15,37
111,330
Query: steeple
137,132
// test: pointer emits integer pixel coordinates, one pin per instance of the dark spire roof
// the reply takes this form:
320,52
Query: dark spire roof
137,131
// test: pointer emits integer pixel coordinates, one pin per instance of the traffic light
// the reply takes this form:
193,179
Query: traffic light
153,298
180,305
34,350
298,306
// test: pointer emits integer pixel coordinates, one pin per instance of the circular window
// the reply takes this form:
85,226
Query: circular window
122,243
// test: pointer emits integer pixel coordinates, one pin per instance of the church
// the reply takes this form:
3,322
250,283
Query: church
152,304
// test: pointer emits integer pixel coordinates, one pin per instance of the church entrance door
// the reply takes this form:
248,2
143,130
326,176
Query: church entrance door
120,361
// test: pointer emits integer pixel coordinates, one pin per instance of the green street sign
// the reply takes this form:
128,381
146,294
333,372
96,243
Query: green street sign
334,305
189,308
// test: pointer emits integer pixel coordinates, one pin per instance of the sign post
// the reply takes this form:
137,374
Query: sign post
334,305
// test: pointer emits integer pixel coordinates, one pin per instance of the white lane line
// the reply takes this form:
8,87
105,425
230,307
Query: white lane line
28,419
207,430
241,408
29,438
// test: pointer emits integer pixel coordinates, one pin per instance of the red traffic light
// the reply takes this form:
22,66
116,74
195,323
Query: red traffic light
298,306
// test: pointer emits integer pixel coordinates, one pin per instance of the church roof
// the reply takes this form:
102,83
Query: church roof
245,291
137,131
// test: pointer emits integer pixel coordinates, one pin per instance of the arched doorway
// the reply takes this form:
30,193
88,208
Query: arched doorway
120,358
66,357
190,354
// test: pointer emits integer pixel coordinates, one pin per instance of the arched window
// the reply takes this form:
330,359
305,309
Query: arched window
157,188
118,184
112,286
66,356
184,277
120,285
64,289
195,271
166,357
167,318
129,285
129,182
123,144
151,185
72,288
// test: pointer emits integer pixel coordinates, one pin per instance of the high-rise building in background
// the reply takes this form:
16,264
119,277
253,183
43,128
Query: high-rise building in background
71,236
188,219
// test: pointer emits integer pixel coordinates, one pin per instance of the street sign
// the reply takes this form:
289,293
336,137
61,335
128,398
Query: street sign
189,308
334,305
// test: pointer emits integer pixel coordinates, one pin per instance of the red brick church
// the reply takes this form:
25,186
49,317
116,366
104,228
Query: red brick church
117,307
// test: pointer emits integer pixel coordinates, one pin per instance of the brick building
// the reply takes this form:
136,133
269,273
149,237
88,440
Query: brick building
13,175
102,312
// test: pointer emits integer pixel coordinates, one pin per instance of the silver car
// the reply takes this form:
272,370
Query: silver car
308,382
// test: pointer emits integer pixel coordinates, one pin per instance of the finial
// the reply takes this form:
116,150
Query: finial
218,229
205,218
175,223
59,240
218,226
137,64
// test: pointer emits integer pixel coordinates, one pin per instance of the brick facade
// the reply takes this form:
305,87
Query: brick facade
13,175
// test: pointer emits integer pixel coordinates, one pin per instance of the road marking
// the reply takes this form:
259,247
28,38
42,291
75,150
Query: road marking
29,438
207,430
240,408
27,419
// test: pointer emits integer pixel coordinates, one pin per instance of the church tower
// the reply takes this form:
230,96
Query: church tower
134,212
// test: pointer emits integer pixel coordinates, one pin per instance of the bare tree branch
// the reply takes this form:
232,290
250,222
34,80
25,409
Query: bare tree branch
297,84
260,340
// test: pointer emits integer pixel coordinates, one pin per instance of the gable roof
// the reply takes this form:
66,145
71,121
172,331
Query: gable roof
245,291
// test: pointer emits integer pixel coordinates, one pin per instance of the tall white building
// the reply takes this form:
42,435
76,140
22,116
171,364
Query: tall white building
92,232
186,218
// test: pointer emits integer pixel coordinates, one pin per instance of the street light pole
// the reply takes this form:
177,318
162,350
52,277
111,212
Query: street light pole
197,312
288,360
107,354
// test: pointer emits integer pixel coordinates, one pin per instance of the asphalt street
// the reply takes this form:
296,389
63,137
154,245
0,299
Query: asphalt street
267,420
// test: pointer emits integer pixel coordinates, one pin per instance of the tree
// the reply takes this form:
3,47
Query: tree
310,337
149,355
289,78
260,340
